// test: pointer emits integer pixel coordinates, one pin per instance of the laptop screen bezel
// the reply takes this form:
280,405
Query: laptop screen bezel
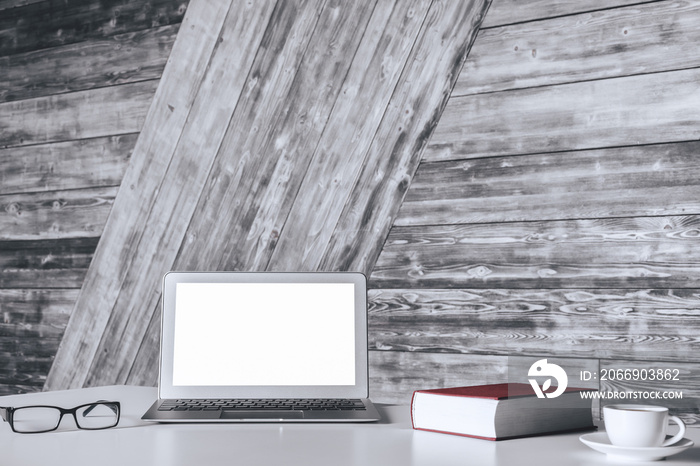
166,388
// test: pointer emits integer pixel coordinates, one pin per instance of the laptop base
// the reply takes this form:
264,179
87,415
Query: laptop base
369,414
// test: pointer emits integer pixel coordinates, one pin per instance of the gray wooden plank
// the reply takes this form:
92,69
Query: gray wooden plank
39,353
628,181
34,25
347,136
26,362
32,325
124,58
35,312
644,252
85,163
211,58
14,389
516,11
58,214
270,166
146,367
654,108
258,170
6,4
656,324
33,306
603,44
372,60
55,263
293,41
414,109
395,375
107,111
637,384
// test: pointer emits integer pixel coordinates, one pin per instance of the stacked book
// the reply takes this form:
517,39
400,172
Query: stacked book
500,411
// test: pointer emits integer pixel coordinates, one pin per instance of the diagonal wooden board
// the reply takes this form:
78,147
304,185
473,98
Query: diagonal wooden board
248,147
412,114
121,252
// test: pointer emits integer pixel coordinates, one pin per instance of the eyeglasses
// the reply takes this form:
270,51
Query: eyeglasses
35,419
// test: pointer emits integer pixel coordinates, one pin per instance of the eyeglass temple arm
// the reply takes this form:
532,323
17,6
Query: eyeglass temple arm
3,413
94,405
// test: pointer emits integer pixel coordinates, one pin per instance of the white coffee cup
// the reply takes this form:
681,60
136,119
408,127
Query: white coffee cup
640,426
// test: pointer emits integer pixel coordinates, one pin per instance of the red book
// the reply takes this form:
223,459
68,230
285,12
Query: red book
500,411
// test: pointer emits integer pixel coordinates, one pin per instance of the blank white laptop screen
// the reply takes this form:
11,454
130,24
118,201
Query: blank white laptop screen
271,334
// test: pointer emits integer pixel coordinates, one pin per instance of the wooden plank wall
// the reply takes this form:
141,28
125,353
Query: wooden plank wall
77,79
556,210
281,137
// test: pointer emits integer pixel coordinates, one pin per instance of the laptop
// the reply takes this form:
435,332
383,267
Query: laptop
263,347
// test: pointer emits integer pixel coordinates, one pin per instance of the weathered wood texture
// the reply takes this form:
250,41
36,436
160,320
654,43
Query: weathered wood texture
641,252
48,263
224,193
576,323
270,165
144,370
124,58
375,61
57,214
85,114
412,115
342,150
85,163
555,209
643,109
48,23
516,11
139,231
31,329
5,4
621,182
260,182
395,375
603,44
77,80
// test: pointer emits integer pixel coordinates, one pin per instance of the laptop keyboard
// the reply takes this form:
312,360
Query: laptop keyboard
263,404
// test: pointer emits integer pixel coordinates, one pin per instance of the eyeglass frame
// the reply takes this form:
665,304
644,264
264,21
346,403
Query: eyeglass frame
7,414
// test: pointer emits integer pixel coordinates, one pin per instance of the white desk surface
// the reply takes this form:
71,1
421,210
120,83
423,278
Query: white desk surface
389,442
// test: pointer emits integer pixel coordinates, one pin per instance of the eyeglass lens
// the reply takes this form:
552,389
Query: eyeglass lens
35,419
97,416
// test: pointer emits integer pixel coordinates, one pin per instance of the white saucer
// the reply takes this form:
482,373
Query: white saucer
599,441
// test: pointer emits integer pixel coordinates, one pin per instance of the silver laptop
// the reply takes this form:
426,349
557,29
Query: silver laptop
263,347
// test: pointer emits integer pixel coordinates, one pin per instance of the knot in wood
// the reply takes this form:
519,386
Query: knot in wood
13,208
479,271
